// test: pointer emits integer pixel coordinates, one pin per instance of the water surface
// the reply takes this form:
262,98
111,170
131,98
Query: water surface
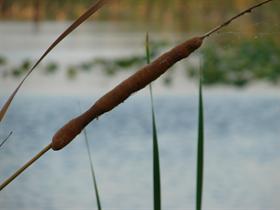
241,154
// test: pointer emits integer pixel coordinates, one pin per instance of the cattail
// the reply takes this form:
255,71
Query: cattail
121,92
134,83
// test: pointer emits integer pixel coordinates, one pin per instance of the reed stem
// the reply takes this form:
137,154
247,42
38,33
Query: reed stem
6,139
19,171
233,18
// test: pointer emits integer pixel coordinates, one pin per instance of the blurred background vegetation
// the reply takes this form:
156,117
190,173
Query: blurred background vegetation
235,62
181,14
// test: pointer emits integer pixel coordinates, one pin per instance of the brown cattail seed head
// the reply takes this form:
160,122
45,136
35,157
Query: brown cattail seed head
67,133
186,48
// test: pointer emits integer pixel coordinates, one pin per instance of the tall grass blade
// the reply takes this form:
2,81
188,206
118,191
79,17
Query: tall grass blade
92,171
200,149
6,139
92,9
147,45
156,161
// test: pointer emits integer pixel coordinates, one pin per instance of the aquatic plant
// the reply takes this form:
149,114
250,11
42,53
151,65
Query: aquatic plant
113,98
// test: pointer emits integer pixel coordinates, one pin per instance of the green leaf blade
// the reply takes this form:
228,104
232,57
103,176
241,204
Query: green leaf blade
200,150
92,171
156,160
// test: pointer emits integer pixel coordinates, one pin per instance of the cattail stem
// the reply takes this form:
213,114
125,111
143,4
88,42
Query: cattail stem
233,18
19,171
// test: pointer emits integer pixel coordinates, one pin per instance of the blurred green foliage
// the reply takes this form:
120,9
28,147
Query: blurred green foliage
237,65
2,61
111,66
250,60
51,68
71,72
22,68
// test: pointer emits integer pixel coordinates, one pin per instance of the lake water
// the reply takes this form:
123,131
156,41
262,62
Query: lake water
241,133
241,154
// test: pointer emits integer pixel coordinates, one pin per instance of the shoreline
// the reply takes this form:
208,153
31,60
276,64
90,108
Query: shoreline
97,84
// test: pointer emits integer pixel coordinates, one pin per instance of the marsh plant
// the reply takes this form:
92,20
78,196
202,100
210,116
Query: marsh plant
142,78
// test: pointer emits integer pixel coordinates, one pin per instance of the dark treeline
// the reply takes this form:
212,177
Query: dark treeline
183,14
